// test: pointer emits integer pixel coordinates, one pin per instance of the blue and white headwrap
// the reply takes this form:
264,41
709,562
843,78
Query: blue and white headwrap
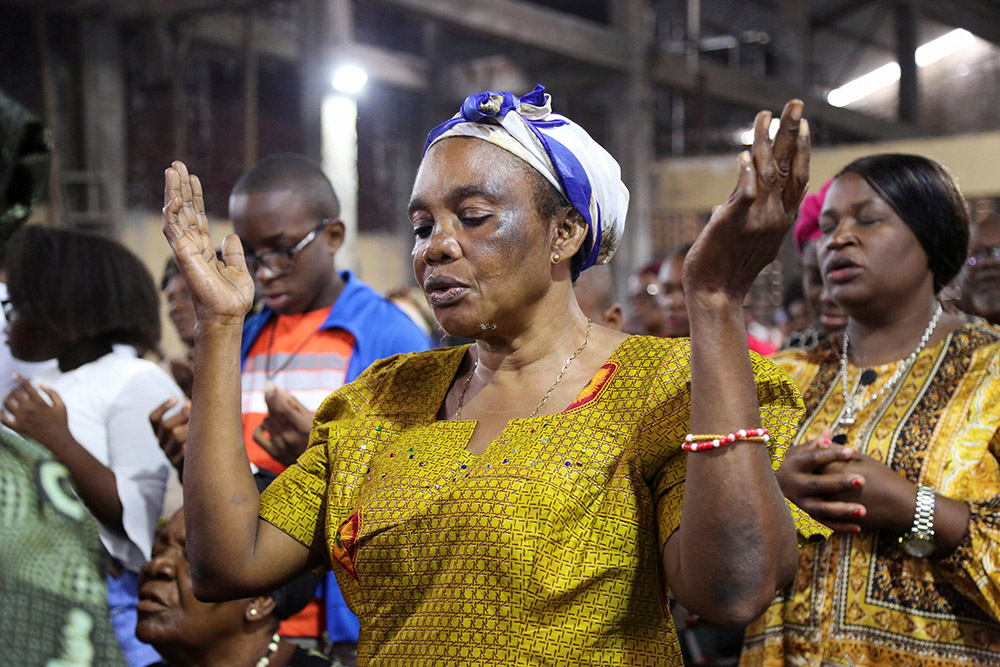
559,149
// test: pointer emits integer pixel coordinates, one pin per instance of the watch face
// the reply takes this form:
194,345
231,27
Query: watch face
918,545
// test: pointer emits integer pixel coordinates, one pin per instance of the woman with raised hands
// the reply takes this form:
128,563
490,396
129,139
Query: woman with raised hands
531,497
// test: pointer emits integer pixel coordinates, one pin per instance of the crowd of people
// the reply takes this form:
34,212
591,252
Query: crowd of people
574,482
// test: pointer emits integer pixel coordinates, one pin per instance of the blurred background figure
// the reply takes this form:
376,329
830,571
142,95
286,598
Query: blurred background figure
180,308
24,170
825,315
595,294
981,279
53,597
188,632
645,316
74,297
674,306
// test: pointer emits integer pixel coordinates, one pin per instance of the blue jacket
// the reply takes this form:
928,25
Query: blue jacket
380,330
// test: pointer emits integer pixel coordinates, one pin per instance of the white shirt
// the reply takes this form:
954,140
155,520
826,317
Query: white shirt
108,402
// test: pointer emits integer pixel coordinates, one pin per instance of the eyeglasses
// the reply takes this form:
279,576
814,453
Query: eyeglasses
8,309
979,255
281,261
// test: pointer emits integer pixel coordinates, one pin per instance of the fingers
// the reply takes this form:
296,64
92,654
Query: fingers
799,179
840,516
54,398
156,416
761,149
198,200
232,252
261,437
786,140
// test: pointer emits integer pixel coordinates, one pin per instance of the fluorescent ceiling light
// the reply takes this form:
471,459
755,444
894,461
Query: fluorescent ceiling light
349,79
888,74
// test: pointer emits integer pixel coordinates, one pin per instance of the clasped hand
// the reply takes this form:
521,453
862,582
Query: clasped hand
845,489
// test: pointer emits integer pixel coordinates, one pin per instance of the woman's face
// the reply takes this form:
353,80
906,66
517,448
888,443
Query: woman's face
169,613
828,312
180,307
29,338
868,255
481,252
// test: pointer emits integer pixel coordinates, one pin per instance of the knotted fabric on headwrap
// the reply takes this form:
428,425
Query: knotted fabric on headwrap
562,151
807,225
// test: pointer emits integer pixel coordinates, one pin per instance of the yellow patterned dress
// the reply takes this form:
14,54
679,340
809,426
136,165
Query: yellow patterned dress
543,550
858,599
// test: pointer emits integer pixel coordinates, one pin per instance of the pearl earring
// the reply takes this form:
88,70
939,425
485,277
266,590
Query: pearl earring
555,258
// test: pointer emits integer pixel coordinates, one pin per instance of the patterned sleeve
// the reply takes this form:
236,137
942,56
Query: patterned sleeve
666,423
299,501
974,566
295,501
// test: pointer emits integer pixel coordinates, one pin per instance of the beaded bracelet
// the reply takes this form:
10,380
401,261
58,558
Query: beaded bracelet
697,443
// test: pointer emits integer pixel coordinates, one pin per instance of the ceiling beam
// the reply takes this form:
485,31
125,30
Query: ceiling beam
526,23
841,10
669,69
392,67
980,18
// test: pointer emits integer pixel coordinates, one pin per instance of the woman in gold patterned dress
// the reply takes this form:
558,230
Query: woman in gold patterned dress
525,499
898,450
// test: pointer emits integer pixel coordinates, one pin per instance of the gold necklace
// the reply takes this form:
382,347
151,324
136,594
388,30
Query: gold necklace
468,380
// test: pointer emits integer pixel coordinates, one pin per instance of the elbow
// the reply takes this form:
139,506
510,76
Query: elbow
212,587
739,613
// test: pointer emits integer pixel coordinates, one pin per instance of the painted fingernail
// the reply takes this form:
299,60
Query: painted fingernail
857,481
855,529
826,441
858,512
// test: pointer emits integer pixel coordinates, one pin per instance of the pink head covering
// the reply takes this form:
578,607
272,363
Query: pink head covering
807,226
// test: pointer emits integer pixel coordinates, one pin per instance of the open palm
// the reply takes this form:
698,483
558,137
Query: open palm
221,290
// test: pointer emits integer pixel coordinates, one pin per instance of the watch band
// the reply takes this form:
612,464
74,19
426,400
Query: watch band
923,515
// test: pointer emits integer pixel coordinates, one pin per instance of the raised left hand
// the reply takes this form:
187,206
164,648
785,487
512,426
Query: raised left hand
26,412
284,434
745,233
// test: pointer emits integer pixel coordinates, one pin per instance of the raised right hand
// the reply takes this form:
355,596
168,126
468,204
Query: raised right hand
222,291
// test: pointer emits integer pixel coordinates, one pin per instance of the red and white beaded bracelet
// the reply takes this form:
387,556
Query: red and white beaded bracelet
697,443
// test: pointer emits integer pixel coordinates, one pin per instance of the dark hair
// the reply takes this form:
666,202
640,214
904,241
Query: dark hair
926,197
83,286
292,172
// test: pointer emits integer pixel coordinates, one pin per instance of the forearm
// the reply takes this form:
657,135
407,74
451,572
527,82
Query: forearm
220,497
736,541
94,481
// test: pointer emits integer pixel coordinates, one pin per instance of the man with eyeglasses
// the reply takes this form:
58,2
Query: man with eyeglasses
981,281
317,330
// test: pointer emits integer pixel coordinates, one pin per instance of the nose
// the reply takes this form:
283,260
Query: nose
842,235
160,566
440,246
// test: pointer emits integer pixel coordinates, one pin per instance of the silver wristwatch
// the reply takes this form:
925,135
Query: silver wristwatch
919,542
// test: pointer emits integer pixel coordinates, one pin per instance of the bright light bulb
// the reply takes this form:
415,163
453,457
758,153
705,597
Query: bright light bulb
349,79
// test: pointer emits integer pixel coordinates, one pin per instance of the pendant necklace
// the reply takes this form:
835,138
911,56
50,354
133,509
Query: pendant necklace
468,380
269,375
853,405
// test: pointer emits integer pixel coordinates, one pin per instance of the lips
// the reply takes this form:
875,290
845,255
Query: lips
150,600
275,301
443,291
840,269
